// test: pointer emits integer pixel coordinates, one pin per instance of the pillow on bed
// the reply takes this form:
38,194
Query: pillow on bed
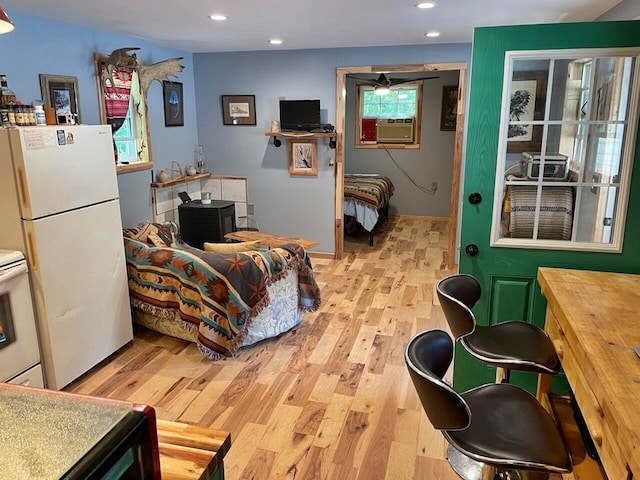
232,247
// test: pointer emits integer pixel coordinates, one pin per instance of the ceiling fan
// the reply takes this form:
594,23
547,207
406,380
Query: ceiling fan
382,85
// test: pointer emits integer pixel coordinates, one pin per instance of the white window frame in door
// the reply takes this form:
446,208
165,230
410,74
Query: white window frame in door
627,156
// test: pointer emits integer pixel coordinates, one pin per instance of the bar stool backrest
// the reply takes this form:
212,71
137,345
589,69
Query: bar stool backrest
428,356
458,294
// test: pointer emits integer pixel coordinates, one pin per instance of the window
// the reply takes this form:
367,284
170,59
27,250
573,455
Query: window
399,103
567,144
122,105
125,140
391,120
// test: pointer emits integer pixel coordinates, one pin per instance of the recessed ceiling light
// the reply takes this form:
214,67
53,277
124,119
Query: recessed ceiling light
432,34
218,17
275,41
426,5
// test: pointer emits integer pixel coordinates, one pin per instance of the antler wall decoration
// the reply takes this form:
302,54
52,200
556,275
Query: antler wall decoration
120,58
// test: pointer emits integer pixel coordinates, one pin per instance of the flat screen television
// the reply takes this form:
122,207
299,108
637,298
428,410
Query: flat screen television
299,114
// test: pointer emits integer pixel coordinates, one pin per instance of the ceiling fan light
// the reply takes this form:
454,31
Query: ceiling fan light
381,90
426,5
217,16
6,25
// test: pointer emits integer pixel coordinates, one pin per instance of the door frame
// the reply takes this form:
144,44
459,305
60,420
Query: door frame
341,93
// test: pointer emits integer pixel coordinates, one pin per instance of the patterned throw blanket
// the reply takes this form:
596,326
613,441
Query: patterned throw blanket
215,295
555,219
368,189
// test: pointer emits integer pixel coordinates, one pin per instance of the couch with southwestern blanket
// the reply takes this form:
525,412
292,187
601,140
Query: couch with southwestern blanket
220,301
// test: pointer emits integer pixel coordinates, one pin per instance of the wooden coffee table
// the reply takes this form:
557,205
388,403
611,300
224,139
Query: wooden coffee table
269,239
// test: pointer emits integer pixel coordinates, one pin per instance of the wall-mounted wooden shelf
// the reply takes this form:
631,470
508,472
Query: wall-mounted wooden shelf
184,179
301,135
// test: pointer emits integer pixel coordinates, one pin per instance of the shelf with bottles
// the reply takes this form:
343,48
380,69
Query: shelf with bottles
13,113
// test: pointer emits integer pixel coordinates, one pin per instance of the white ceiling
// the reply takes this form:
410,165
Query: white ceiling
304,23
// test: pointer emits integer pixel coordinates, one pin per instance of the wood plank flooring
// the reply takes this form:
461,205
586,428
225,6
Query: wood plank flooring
329,400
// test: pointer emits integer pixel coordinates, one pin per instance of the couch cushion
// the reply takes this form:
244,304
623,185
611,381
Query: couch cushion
162,237
232,247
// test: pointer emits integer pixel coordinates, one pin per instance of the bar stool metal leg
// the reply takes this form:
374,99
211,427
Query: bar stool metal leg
469,469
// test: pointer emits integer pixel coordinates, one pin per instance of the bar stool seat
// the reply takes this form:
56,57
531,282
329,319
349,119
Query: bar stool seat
511,345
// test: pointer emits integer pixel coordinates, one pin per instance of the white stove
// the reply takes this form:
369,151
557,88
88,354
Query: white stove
8,257
19,351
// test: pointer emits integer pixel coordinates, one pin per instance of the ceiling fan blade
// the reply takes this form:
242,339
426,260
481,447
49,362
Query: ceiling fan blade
400,81
368,80
381,81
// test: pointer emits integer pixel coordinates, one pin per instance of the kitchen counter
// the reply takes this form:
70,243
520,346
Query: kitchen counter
43,433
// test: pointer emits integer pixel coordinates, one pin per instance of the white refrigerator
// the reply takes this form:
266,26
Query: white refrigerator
59,205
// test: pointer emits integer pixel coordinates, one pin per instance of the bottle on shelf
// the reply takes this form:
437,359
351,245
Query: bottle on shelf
8,97
39,114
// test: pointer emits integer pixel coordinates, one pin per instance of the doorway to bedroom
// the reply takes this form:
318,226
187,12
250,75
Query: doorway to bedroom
424,168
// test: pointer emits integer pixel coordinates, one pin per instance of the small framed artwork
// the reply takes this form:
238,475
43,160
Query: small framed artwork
61,93
303,157
238,109
173,104
449,110
528,95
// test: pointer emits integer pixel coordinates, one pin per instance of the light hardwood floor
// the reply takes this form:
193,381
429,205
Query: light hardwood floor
331,399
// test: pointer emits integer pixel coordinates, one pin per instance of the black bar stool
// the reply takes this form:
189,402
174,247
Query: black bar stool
496,431
511,345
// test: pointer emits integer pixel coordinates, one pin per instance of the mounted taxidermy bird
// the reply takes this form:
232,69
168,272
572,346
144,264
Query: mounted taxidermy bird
120,58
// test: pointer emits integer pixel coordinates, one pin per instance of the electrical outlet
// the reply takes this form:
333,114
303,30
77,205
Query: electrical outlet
250,209
434,186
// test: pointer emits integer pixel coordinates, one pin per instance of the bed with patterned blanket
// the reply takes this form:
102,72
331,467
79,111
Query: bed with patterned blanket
220,301
366,199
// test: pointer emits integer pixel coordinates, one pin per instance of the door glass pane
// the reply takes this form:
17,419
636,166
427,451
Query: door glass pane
595,207
567,144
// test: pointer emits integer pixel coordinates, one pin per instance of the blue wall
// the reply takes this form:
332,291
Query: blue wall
39,45
285,204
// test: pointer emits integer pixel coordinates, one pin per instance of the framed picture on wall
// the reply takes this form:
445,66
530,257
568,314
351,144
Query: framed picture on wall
449,110
528,95
303,157
61,93
238,109
173,104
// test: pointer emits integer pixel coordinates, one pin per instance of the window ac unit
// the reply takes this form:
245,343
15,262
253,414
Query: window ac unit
395,130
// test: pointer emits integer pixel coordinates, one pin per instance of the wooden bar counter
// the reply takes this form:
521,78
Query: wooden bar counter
593,319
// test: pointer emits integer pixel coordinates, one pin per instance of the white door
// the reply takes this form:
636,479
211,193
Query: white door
80,288
64,167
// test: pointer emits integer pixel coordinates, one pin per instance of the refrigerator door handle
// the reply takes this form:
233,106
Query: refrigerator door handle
33,255
23,188
12,272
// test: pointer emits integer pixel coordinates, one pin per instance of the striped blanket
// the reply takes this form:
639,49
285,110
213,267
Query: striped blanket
370,190
214,295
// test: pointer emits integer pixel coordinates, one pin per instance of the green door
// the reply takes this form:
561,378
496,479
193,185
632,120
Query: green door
506,267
